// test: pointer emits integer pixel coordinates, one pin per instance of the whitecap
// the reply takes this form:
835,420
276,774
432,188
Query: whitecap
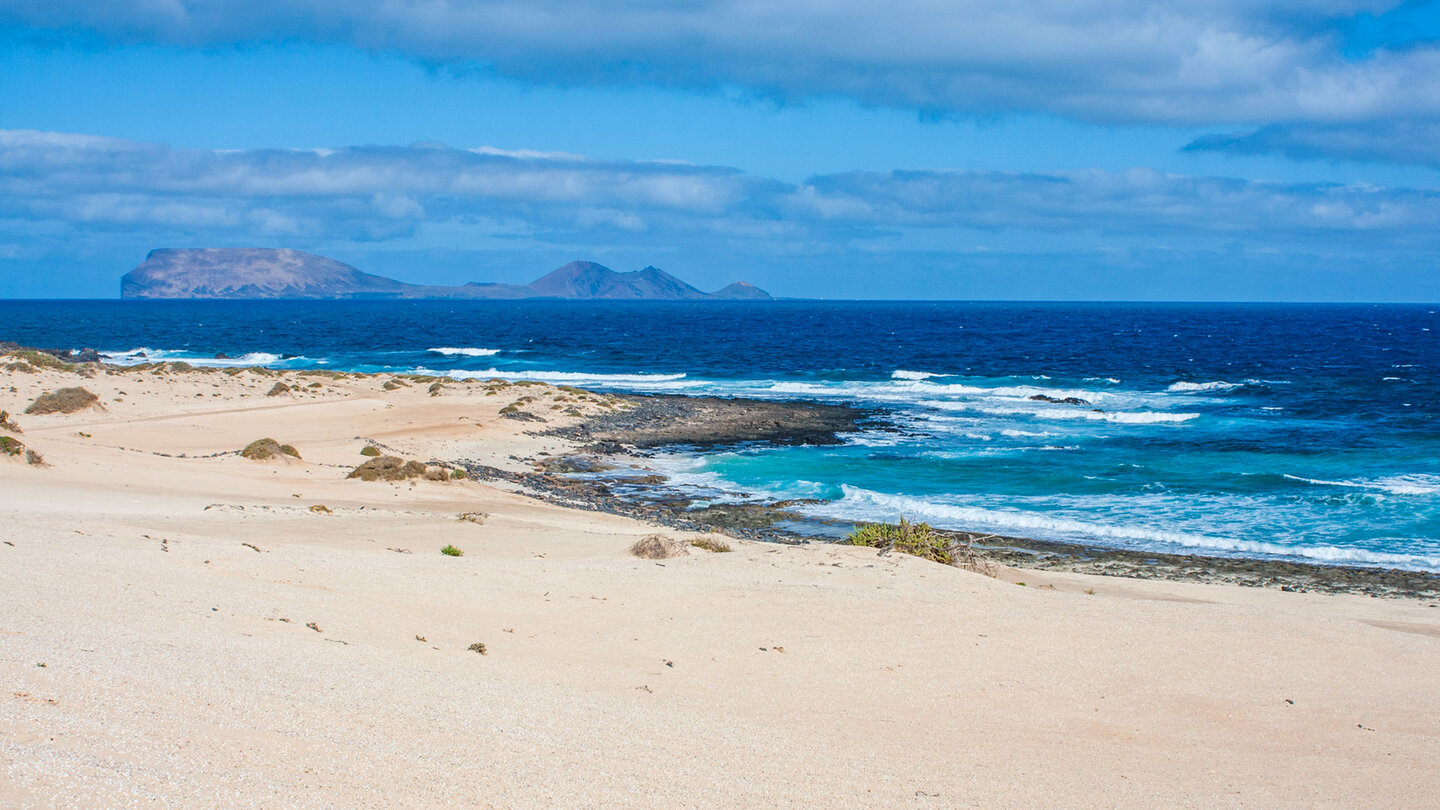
1414,484
902,374
464,351
567,377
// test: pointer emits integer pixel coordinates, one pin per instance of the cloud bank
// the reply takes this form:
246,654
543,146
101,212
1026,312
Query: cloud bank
379,193
1189,62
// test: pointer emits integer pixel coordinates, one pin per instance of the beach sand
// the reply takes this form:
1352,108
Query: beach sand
178,627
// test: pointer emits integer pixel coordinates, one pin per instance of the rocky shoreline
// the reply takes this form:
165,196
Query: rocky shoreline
609,475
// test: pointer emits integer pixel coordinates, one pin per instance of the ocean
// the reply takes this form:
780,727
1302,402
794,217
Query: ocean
1303,432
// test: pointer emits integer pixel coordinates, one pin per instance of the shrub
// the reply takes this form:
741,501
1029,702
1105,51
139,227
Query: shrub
451,551
472,517
11,446
64,400
370,450
266,449
478,647
657,547
711,543
7,425
458,474
435,389
320,509
278,389
387,468
916,539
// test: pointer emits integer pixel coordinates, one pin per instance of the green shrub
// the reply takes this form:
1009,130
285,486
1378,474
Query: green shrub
369,450
458,474
11,446
451,551
711,543
916,539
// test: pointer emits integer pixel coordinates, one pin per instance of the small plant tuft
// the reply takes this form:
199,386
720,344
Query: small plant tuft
34,459
452,551
320,509
6,424
471,517
711,543
458,474
916,539
370,450
478,647
11,446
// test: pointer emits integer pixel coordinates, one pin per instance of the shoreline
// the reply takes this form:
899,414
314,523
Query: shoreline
704,423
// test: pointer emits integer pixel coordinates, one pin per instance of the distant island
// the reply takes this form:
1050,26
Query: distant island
277,273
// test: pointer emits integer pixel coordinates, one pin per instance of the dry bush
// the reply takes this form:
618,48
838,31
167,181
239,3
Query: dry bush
657,547
64,400
278,389
7,425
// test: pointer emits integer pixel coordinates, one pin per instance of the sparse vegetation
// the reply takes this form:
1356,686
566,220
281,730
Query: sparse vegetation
451,551
478,647
388,468
435,389
916,539
391,385
458,474
11,446
64,400
278,389
266,449
34,459
7,425
657,547
472,517
42,360
320,509
370,450
711,543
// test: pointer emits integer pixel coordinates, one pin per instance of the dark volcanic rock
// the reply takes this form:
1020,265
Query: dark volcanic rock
653,421
1058,400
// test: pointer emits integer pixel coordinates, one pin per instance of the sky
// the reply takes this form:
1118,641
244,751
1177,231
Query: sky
1200,150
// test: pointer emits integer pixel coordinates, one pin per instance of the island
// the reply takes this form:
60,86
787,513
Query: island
278,273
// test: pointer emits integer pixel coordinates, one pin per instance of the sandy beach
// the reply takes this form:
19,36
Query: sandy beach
182,626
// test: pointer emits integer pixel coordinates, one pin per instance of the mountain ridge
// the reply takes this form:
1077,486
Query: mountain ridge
285,273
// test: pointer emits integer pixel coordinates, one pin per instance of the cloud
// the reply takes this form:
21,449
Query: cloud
1414,142
66,186
1188,62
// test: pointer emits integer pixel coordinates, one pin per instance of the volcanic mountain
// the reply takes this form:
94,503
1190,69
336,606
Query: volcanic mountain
267,273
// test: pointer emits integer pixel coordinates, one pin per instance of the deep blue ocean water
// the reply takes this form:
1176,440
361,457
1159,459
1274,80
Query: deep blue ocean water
1299,431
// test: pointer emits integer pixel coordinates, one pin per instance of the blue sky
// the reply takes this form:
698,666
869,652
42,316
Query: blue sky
1221,150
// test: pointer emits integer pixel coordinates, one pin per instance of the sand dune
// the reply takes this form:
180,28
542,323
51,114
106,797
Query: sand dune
179,628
